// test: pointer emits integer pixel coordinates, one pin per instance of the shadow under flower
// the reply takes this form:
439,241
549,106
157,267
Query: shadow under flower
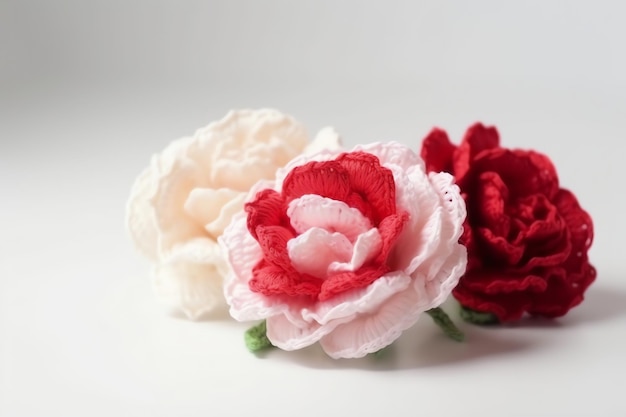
602,303
420,347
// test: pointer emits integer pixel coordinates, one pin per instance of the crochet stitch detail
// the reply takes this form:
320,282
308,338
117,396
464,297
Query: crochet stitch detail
256,338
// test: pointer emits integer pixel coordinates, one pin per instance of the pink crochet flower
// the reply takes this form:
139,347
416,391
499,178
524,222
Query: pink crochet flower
345,249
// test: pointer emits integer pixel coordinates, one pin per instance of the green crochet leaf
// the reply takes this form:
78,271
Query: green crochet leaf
478,317
442,320
256,338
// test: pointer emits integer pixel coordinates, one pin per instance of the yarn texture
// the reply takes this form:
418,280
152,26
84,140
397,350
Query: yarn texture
181,203
347,249
527,237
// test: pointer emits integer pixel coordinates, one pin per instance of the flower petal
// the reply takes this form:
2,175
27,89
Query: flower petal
437,151
177,179
349,280
190,278
267,209
369,333
326,179
315,250
250,145
367,247
325,140
213,208
372,182
312,210
243,252
435,222
487,204
579,224
439,286
392,153
478,138
359,300
286,336
140,221
307,325
524,172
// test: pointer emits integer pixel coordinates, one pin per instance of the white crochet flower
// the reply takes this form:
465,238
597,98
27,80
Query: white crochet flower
182,202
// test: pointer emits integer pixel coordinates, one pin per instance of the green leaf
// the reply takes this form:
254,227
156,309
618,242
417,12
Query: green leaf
256,338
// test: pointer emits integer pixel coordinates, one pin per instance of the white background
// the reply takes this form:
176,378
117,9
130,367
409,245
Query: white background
90,89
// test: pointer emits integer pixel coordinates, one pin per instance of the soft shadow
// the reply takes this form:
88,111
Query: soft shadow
419,347
532,322
601,303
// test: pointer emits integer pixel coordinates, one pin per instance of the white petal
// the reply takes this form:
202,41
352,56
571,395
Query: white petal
312,210
177,178
145,212
140,221
234,206
366,247
393,153
190,278
252,145
214,208
313,251
326,139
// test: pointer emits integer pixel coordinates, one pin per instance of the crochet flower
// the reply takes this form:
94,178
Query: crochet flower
347,249
527,237
182,202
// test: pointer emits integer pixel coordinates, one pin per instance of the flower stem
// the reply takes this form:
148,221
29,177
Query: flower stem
381,352
478,317
256,338
442,320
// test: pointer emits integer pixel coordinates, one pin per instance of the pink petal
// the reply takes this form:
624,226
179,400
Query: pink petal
418,240
312,210
437,221
356,301
243,253
439,286
302,326
366,247
372,332
453,216
313,251
286,336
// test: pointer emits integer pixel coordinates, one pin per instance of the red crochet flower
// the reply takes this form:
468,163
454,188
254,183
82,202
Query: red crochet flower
527,238
356,179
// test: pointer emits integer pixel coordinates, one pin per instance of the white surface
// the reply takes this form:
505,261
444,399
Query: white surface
89,90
